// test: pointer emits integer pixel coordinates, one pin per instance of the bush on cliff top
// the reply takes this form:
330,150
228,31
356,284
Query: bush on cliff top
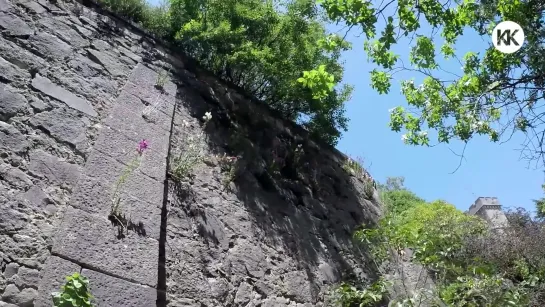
470,265
263,47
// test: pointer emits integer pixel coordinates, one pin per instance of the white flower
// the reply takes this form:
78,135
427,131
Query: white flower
404,138
423,133
391,110
207,116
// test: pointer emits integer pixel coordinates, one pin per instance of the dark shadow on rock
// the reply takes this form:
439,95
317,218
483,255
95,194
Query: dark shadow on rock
295,189
124,225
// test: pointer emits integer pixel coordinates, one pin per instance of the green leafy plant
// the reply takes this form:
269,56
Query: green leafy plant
319,81
348,295
74,293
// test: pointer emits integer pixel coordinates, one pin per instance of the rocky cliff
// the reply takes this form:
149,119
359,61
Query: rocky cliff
229,206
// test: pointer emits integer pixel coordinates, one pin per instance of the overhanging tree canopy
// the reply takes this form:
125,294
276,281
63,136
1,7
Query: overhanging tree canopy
496,95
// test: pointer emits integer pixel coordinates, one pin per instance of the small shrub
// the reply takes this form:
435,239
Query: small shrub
368,189
228,166
135,10
347,295
75,292
355,168
299,153
162,78
183,162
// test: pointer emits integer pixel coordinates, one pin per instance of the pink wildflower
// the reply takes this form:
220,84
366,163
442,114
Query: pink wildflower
142,145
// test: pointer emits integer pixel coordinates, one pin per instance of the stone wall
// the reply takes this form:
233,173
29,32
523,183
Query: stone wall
78,91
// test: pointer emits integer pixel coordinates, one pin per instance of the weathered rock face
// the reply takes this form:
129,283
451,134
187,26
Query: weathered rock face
78,90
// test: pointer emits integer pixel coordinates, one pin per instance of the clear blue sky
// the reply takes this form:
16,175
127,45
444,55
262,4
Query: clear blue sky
488,169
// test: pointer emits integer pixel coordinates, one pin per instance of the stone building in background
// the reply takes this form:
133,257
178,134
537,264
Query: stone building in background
490,210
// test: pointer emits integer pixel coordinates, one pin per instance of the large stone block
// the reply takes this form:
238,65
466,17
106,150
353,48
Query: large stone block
110,63
135,127
50,46
22,58
151,113
5,5
109,291
63,30
63,126
93,241
94,196
14,25
11,102
54,169
137,185
123,149
53,277
47,87
12,139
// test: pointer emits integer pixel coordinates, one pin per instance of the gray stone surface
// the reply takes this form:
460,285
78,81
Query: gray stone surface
113,65
82,99
4,5
54,169
33,6
19,56
143,113
93,241
50,46
11,102
123,149
23,298
137,185
94,196
15,176
11,138
11,72
14,26
112,292
47,87
64,31
36,196
62,125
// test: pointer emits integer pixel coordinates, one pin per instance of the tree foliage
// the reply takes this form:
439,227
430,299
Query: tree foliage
277,51
470,264
495,95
